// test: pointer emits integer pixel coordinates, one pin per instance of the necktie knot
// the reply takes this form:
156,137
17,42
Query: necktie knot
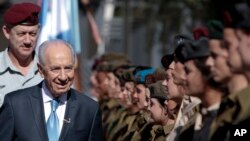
54,104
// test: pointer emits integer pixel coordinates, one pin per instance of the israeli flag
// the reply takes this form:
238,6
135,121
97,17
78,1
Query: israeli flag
59,20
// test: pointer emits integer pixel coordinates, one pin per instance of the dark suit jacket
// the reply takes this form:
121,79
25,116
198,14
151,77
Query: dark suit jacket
22,117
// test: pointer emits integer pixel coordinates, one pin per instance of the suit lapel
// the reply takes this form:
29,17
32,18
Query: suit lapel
36,101
69,114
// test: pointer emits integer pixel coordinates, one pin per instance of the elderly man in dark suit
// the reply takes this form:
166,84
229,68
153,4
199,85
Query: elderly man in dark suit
51,110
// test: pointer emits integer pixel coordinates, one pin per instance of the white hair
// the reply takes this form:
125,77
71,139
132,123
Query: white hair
45,45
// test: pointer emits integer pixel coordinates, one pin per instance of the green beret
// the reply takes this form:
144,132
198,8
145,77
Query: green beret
215,29
128,75
115,64
120,70
111,66
114,56
103,67
157,90
193,49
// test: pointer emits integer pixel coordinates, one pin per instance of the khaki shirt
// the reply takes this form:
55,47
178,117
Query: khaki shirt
233,110
135,126
11,79
117,115
187,111
159,132
122,123
197,128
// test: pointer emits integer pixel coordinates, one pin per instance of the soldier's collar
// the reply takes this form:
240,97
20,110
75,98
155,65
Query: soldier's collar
168,128
156,127
7,64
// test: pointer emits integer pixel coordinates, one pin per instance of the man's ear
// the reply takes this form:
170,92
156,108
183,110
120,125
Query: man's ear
6,31
40,69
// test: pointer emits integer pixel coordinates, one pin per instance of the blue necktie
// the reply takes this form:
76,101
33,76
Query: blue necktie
53,122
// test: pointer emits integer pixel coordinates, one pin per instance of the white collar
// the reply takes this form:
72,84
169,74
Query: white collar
47,96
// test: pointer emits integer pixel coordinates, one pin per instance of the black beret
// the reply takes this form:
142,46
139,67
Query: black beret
167,59
180,39
215,29
22,13
193,49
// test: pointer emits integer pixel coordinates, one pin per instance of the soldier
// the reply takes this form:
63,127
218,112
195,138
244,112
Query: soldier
175,82
18,62
102,76
118,112
163,121
140,102
195,55
219,67
232,113
125,99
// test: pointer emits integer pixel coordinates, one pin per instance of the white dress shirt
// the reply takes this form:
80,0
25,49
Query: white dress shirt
60,111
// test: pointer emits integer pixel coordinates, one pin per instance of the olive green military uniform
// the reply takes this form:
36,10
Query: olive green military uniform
121,127
159,132
131,127
234,113
111,107
135,128
112,114
118,115
104,107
